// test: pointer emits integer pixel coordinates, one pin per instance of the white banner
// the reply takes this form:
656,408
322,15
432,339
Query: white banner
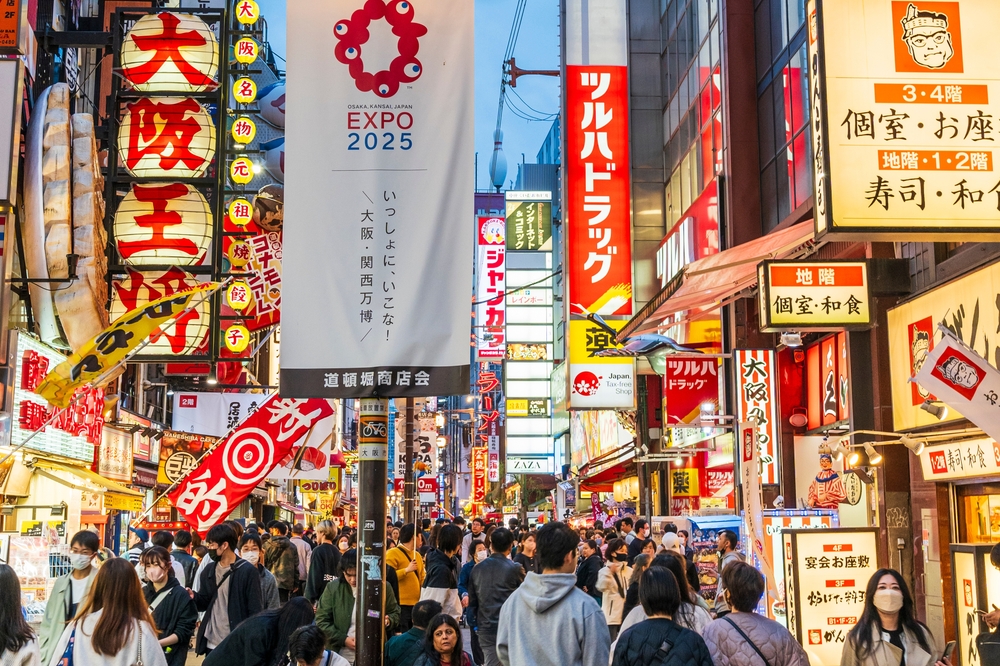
753,500
378,191
213,414
963,380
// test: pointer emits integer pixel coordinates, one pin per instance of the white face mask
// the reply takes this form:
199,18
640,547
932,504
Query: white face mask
79,561
888,601
480,555
251,556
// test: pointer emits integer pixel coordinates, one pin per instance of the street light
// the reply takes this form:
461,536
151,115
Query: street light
442,441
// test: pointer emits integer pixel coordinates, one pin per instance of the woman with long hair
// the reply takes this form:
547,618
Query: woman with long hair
443,644
114,626
640,564
262,640
888,632
174,612
18,646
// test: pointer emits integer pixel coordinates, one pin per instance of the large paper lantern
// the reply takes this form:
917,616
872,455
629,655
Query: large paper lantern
272,103
169,52
167,224
187,333
166,136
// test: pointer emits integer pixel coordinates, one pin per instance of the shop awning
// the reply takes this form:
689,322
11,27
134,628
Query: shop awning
116,496
604,481
715,280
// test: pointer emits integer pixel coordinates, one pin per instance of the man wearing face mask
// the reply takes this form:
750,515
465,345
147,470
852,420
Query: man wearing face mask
641,534
230,590
250,549
69,591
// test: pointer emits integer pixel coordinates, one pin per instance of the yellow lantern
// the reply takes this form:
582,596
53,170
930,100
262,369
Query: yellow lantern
166,136
247,12
238,295
182,337
245,90
240,212
169,52
163,224
237,338
244,130
239,253
241,171
245,51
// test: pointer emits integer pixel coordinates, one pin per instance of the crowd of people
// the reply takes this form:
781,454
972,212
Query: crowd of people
553,596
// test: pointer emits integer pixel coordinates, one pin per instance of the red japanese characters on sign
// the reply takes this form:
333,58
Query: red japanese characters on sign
186,333
163,224
170,52
491,288
480,460
227,475
489,429
166,136
84,417
264,277
757,399
597,184
690,387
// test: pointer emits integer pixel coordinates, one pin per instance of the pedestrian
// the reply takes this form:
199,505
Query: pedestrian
409,567
307,647
443,644
137,544
689,615
325,561
403,650
659,640
548,621
612,583
744,638
282,559
344,543
479,555
726,543
113,626
335,612
636,545
476,534
263,639
590,567
69,591
526,556
685,541
182,553
492,583
229,590
205,561
304,552
632,593
625,529
165,540
174,612
888,632
18,645
441,580
250,549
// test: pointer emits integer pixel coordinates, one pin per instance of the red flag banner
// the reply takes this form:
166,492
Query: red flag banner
243,459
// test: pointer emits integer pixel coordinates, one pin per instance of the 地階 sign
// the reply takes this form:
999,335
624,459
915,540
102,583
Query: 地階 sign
814,295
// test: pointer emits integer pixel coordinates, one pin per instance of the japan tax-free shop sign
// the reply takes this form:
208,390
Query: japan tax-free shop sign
905,118
378,192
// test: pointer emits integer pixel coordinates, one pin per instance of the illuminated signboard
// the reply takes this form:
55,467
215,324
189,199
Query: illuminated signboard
757,398
695,237
598,382
825,295
490,288
529,221
480,460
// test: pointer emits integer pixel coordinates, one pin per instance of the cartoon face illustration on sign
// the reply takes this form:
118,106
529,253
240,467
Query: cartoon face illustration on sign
927,37
920,346
959,372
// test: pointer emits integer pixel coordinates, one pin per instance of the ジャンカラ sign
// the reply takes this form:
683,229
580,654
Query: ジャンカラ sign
813,295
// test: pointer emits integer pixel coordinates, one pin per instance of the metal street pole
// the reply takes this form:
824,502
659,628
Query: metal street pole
409,483
373,457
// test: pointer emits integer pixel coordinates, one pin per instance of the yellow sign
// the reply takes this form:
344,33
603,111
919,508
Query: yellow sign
237,338
31,528
524,407
684,483
903,132
238,295
240,212
913,333
243,131
111,346
813,295
244,90
245,51
247,11
122,502
587,338
241,170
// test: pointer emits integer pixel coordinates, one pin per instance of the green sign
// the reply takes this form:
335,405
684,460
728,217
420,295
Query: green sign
529,226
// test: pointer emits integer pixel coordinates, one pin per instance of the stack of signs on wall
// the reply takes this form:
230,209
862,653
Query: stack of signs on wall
424,445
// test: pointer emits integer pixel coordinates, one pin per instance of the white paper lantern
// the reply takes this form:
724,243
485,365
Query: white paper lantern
166,136
163,224
169,52
184,335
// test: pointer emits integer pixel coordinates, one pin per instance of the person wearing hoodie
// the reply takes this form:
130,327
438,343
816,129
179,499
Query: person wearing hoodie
250,549
441,567
548,621
282,559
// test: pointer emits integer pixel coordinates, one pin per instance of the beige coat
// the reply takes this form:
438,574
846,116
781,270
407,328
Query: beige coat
886,654
613,603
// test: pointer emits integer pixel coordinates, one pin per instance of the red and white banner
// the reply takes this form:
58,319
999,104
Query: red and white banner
233,469
965,381
480,459
491,268
757,399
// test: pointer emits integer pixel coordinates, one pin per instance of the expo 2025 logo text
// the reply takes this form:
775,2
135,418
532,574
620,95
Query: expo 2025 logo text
352,34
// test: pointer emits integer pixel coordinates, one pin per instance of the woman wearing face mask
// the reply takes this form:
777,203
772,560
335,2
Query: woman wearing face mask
252,551
174,612
612,582
888,633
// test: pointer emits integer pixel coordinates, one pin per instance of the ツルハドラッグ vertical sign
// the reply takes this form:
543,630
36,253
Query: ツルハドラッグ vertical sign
378,190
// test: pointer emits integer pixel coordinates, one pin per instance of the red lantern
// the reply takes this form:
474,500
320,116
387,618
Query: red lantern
163,224
187,333
166,136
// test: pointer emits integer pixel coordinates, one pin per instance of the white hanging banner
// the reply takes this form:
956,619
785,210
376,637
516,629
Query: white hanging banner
378,194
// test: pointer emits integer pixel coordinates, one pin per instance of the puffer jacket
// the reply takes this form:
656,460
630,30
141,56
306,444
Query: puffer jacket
885,653
640,645
281,559
728,648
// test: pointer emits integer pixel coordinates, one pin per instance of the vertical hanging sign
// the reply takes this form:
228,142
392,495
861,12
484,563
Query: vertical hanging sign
491,300
757,399
379,168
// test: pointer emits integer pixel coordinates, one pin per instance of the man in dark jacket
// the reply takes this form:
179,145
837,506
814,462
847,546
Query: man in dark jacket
493,580
182,553
325,561
282,559
229,592
404,649
641,534
590,567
